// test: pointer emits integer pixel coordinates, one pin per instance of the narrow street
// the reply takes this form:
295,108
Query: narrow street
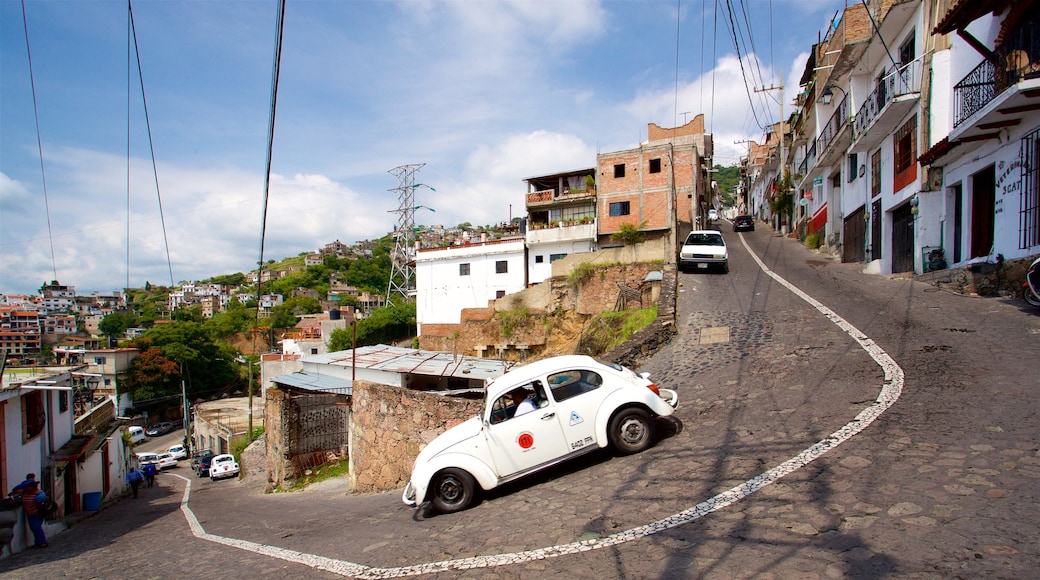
942,483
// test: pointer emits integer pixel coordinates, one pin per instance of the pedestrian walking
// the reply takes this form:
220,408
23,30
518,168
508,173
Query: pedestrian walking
134,478
31,496
149,473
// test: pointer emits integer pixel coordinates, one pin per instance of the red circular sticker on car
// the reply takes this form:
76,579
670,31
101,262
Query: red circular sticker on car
526,440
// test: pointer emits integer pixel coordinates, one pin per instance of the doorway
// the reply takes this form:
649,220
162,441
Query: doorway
902,239
983,202
854,237
875,230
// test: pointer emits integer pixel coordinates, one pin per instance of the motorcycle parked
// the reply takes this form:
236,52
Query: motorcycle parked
1031,287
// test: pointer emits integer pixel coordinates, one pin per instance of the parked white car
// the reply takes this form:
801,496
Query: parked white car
166,461
223,466
533,417
146,458
178,452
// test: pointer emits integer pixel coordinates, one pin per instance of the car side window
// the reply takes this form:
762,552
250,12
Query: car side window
515,402
568,384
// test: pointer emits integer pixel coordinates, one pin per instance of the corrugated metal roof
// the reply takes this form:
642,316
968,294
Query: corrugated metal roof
313,382
407,360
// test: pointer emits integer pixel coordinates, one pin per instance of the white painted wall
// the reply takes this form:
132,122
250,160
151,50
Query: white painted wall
442,293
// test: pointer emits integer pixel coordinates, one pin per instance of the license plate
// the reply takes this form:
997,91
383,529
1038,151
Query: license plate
702,266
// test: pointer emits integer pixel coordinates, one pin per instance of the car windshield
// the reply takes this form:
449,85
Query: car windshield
696,239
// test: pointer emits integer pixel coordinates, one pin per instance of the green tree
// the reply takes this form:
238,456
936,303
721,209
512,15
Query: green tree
115,324
153,376
385,325
208,365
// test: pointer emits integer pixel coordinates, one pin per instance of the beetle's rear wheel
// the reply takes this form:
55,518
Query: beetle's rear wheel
452,490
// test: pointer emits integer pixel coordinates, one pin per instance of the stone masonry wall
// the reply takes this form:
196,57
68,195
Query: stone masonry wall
390,426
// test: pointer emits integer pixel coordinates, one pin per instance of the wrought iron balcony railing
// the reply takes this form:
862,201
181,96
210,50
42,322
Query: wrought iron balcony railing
834,125
1017,57
904,80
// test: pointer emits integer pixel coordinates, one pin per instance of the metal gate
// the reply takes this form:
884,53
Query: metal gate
316,428
854,237
902,239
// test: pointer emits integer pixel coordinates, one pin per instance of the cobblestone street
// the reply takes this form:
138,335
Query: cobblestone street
942,484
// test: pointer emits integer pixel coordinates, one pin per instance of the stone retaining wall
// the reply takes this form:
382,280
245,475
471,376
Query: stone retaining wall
390,426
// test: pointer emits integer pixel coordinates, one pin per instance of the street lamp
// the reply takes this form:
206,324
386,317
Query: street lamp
828,94
92,385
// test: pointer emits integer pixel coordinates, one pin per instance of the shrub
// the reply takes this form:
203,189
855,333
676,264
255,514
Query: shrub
629,234
511,319
812,241
581,274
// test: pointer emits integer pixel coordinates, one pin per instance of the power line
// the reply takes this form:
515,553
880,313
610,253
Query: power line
151,142
39,140
275,73
743,72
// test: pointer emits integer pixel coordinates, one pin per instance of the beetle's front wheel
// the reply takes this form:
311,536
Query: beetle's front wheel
631,431
452,490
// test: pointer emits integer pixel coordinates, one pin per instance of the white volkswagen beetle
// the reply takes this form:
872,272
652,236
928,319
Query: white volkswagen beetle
533,417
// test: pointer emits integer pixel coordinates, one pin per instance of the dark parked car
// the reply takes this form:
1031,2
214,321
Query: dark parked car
743,222
200,463
161,428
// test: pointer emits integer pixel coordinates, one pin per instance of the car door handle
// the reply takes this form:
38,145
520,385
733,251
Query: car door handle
548,416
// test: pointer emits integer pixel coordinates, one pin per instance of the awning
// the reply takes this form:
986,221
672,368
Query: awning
73,448
313,382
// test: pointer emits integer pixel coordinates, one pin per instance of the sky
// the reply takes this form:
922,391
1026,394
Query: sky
481,94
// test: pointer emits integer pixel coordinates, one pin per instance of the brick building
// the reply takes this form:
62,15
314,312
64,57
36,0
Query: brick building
662,187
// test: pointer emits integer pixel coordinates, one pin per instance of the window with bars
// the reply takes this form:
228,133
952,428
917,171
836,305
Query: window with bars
904,165
464,269
501,267
1029,204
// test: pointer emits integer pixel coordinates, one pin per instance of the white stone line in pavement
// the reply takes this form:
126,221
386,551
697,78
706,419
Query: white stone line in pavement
890,392
310,560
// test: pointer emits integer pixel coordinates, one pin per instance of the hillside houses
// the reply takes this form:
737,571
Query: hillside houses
913,144
661,190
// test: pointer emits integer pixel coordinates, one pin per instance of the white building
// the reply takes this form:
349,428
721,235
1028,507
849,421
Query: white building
983,195
450,279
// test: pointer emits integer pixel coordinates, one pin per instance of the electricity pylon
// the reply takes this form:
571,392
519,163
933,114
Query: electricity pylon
402,267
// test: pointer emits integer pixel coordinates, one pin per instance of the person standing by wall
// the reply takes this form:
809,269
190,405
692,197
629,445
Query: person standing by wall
31,494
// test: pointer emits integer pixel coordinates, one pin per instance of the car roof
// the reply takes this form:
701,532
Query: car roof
533,370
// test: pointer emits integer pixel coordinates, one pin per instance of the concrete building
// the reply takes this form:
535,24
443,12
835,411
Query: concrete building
467,276
561,219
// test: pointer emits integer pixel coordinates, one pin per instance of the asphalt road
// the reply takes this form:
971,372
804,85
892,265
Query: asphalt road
882,428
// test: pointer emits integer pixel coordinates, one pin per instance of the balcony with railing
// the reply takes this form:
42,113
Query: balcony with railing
1017,60
552,196
836,135
810,159
893,97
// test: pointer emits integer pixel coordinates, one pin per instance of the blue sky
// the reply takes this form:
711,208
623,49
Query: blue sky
484,93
